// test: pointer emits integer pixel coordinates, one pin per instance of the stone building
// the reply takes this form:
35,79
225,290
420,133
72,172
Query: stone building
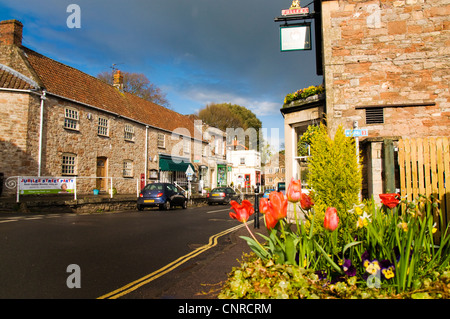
58,121
274,171
386,68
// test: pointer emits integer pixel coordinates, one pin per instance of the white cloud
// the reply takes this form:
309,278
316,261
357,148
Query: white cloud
257,106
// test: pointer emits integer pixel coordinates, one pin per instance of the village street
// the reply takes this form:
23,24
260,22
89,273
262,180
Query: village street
106,251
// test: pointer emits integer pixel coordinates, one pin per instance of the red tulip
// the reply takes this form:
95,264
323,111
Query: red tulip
271,222
264,205
294,191
243,211
306,202
390,200
274,210
331,220
278,205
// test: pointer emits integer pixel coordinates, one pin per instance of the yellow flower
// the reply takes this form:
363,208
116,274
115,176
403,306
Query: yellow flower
388,273
372,267
403,225
358,210
363,220
434,230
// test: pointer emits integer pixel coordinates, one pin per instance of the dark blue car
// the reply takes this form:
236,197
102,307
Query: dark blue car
163,195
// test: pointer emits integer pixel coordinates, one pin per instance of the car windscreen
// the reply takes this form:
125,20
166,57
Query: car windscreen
152,187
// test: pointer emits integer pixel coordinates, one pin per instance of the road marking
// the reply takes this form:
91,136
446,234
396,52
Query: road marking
219,210
167,268
8,220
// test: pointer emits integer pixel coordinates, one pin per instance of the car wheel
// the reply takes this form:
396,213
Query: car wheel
184,204
140,208
165,206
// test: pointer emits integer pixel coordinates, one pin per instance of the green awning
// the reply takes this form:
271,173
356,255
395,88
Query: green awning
173,164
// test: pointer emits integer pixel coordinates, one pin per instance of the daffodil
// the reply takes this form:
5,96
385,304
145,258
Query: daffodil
363,220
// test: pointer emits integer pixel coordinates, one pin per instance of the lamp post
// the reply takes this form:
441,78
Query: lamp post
256,206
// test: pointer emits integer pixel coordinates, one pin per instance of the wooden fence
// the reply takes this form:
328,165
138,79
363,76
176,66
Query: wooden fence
424,169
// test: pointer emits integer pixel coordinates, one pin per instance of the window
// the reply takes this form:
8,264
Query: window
71,119
242,160
128,168
375,115
103,126
161,140
129,132
69,164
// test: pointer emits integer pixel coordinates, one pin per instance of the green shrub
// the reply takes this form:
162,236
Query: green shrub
334,173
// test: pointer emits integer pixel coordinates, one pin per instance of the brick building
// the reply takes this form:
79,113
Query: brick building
386,67
58,121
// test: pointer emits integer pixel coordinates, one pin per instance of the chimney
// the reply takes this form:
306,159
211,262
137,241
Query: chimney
118,80
11,32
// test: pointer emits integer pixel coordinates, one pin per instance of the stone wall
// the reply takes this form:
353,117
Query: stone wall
394,54
19,131
17,155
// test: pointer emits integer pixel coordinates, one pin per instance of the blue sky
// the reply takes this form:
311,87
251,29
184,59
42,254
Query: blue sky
196,51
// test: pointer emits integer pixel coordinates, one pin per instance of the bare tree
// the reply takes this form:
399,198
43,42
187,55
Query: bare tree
139,85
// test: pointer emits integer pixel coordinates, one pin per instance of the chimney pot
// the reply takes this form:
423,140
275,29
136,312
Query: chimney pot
11,32
118,80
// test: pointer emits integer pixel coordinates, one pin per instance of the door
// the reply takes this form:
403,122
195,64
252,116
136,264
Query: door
247,180
101,173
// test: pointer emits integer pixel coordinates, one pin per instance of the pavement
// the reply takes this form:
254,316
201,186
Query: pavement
203,276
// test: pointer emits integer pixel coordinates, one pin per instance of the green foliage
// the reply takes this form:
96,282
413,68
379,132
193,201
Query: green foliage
227,115
306,139
304,93
256,279
334,173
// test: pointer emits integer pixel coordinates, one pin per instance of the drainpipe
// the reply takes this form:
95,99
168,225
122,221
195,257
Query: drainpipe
146,153
41,130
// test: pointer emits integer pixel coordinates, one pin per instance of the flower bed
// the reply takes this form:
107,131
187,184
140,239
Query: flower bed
362,250
391,252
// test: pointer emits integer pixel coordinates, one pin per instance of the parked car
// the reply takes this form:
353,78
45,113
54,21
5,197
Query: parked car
267,192
164,195
222,195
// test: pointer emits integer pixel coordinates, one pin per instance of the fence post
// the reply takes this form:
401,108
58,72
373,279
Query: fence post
388,166
18,190
75,188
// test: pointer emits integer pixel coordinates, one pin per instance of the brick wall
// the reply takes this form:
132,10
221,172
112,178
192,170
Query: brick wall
388,53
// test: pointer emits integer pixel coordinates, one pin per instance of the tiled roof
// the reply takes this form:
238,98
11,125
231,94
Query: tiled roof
11,79
68,82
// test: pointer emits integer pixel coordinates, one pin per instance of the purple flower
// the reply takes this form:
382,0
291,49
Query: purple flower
348,268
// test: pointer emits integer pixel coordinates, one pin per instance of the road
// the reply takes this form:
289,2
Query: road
111,250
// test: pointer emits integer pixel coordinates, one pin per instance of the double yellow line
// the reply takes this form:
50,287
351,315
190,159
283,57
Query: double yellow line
167,268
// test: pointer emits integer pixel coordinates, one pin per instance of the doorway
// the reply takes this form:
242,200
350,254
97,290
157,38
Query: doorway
247,181
101,173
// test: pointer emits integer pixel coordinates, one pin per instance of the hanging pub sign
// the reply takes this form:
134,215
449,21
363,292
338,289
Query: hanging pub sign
295,37
295,9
